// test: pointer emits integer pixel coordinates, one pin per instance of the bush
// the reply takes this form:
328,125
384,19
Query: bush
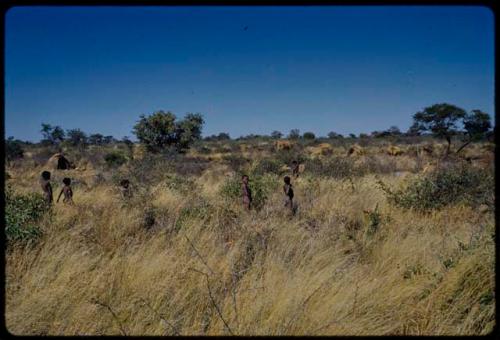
456,184
13,149
261,187
21,214
115,159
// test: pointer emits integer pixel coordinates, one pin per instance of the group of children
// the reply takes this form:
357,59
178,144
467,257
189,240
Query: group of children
126,192
47,189
68,192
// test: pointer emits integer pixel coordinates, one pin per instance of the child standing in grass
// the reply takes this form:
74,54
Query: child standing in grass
125,189
46,187
287,188
247,193
68,193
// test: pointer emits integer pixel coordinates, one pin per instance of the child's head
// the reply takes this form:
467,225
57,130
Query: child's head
244,179
124,183
46,175
67,181
287,179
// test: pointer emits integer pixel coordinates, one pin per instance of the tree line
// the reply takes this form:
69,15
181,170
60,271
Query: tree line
163,130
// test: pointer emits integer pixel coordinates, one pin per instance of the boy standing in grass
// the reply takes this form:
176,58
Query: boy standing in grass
125,189
46,187
287,188
247,193
68,193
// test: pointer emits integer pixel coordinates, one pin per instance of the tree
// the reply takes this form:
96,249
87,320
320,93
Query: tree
394,131
76,137
276,134
334,135
160,130
363,135
294,134
108,139
223,136
309,135
188,130
477,124
352,135
96,139
52,135
441,120
413,130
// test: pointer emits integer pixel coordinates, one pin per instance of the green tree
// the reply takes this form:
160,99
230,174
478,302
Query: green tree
276,134
441,120
96,139
294,134
477,124
160,130
52,134
309,135
76,137
334,135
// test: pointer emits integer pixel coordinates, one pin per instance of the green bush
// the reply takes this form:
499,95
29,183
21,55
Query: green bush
114,159
261,187
456,184
21,214
13,149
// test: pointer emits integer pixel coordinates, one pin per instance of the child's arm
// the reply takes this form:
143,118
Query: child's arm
62,190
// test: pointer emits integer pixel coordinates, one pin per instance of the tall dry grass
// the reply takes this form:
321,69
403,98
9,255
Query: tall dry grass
207,268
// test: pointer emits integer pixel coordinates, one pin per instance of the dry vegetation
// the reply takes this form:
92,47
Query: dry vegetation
180,258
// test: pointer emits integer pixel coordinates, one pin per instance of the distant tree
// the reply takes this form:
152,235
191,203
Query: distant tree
334,135
363,135
477,124
352,135
76,137
441,120
309,135
394,131
276,134
13,149
108,139
223,136
161,130
96,139
294,134
52,135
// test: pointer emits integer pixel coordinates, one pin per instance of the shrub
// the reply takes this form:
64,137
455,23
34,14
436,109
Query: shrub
114,159
21,214
261,187
445,186
13,149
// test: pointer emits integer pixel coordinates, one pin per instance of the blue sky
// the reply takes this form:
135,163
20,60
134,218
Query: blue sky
246,69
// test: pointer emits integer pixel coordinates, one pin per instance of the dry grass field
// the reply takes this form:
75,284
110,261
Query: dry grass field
182,257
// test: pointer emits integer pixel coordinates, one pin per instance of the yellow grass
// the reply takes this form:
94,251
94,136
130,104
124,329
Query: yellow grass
98,270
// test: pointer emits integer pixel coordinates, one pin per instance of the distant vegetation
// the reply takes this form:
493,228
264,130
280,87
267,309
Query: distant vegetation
385,221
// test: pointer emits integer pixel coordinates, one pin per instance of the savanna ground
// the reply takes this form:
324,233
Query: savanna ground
183,257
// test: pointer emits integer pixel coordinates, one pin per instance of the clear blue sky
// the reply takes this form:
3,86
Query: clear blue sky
319,69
